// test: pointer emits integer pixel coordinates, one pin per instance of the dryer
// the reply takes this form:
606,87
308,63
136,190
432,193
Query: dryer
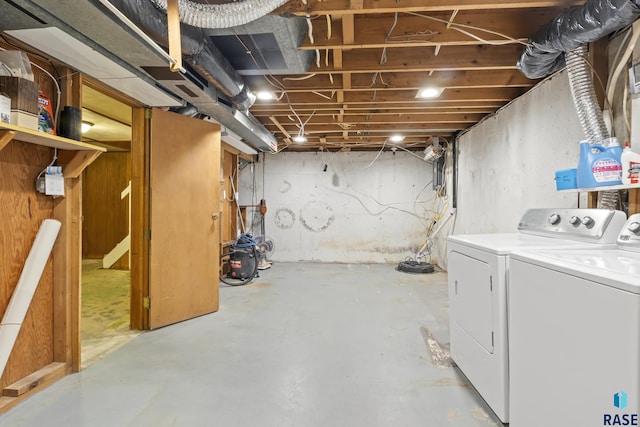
478,265
574,334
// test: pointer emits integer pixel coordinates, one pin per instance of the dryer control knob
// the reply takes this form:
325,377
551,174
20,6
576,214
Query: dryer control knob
554,219
574,220
634,227
588,221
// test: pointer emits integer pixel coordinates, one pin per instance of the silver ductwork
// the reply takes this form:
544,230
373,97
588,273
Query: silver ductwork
207,66
584,95
226,15
197,50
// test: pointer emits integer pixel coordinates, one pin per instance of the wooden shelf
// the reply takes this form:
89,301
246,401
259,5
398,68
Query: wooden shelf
603,188
9,132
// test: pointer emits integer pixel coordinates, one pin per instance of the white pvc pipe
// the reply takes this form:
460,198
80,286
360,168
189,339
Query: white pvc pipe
26,287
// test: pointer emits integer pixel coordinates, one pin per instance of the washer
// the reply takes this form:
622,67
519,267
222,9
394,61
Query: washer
574,334
478,268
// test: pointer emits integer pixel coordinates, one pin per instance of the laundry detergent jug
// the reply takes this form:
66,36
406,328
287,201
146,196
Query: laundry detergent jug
599,165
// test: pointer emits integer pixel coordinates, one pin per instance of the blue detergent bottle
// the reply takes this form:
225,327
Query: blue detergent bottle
599,165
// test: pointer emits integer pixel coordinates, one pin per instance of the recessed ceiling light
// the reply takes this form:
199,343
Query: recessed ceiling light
265,95
299,138
396,138
429,92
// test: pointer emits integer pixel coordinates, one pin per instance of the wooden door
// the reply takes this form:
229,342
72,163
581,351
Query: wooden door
184,211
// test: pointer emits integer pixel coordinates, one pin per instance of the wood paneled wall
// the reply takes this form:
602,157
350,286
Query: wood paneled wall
106,215
22,210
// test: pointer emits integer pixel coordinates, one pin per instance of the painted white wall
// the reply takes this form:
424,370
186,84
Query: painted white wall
363,209
507,163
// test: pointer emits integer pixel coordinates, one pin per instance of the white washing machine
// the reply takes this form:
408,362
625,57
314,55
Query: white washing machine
574,335
477,267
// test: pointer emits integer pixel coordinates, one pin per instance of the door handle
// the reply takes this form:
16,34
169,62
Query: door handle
215,215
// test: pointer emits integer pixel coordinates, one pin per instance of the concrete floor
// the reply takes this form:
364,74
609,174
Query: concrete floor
303,345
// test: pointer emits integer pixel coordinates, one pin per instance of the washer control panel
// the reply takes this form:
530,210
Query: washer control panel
597,225
629,237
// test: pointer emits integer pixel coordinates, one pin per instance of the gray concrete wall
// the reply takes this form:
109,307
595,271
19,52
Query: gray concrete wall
507,163
363,208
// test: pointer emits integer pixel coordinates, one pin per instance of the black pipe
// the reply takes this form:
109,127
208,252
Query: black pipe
571,29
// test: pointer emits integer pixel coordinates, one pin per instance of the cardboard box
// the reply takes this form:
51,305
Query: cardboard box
23,94
25,120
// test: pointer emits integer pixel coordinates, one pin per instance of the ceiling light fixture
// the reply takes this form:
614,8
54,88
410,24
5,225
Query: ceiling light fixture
396,138
299,138
429,92
86,126
265,95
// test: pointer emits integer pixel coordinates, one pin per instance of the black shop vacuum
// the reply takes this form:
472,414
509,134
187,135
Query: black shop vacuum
242,261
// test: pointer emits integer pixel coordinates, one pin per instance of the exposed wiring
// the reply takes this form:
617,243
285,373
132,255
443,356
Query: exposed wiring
55,81
378,156
333,93
383,58
407,38
472,27
310,29
55,158
490,42
300,78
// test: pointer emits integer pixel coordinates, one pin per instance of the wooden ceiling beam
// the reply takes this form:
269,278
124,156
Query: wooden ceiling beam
342,7
284,109
403,96
391,115
328,129
397,80
416,59
410,31
364,118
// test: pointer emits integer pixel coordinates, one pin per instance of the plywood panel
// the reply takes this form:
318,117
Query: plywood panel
185,206
22,210
106,220
229,204
139,219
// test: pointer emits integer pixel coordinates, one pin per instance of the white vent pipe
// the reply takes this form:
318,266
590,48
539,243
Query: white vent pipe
26,287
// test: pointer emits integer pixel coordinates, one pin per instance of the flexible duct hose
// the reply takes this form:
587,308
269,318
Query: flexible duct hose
584,96
588,109
222,15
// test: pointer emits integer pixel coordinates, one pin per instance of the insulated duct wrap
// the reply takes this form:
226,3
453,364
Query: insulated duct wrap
238,12
197,49
573,28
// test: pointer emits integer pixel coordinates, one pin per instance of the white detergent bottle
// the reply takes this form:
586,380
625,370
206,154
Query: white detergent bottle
630,166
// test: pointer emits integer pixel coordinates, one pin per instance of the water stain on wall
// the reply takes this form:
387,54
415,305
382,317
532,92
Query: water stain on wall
285,186
317,216
284,218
